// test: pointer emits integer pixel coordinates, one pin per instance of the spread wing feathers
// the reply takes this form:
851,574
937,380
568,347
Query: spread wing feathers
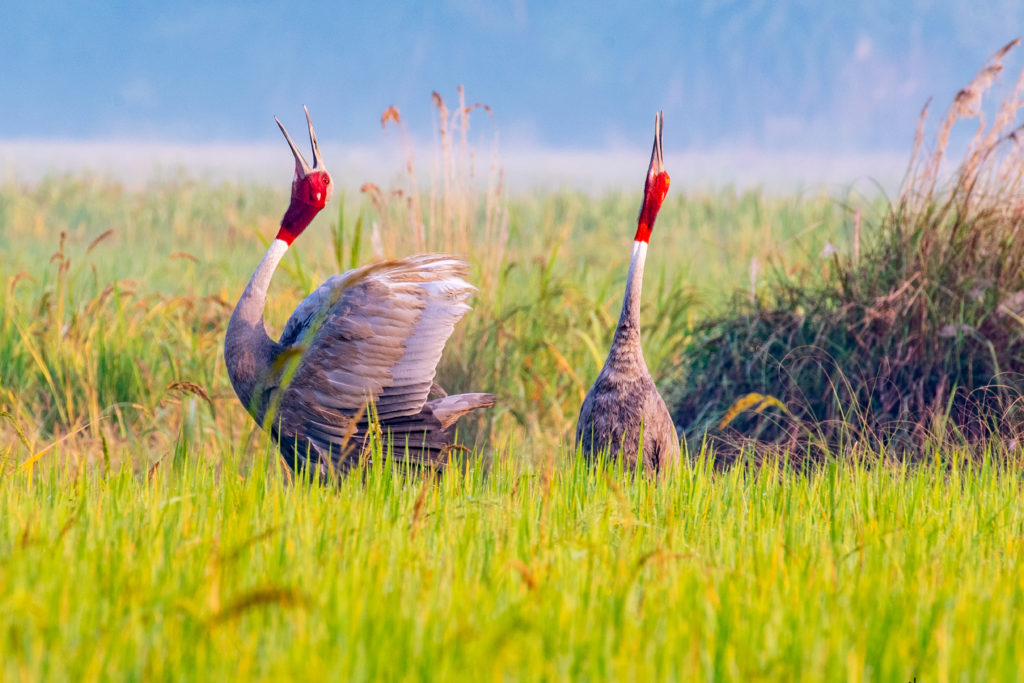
450,408
337,446
373,333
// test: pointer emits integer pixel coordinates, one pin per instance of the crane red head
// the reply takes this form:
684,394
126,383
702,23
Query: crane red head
310,190
655,188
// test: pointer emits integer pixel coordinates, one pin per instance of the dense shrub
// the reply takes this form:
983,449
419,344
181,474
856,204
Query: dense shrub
916,336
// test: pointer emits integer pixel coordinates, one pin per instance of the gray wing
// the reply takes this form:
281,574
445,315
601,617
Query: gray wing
311,306
663,452
372,334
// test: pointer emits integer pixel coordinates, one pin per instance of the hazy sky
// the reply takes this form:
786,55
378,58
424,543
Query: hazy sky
775,74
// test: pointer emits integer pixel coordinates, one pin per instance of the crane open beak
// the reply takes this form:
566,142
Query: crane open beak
657,157
302,167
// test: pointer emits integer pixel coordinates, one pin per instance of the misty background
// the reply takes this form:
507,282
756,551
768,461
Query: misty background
754,92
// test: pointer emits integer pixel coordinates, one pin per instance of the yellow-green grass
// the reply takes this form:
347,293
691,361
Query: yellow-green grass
221,570
145,533
119,340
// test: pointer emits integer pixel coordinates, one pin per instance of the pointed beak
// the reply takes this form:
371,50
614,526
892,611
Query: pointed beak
318,161
657,157
302,167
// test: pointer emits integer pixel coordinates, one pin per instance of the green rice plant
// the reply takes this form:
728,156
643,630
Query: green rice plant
559,571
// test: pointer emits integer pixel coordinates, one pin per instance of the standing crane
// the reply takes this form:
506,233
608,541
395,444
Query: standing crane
360,352
623,412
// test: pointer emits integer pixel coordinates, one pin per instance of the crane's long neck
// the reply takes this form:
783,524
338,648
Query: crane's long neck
248,350
627,334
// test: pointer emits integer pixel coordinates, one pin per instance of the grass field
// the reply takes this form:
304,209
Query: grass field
147,533
198,572
114,303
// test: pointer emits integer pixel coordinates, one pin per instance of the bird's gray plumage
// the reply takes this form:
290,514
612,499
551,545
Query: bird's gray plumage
364,345
623,411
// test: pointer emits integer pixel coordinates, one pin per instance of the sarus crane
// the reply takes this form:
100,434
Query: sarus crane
623,412
359,353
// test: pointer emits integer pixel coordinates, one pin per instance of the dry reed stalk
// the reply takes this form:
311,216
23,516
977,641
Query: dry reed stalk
415,225
966,104
377,198
918,140
447,163
465,177
455,203
496,228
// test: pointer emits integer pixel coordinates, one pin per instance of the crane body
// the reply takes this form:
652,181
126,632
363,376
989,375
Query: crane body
358,354
623,413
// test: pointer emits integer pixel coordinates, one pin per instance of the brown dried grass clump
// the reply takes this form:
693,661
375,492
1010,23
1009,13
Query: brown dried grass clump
916,340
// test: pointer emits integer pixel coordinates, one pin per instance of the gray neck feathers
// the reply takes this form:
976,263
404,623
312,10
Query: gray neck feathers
248,350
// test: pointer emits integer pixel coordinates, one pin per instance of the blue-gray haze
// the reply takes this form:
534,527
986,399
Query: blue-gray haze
586,75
